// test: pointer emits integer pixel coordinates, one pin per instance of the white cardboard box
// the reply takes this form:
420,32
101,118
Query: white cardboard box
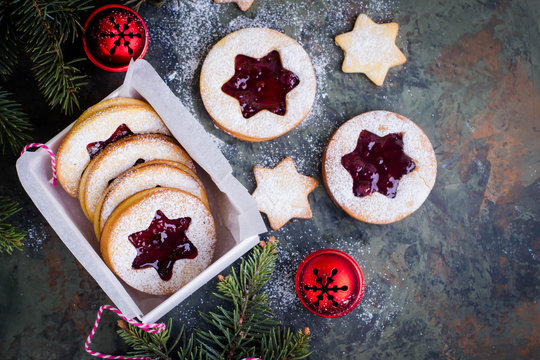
238,222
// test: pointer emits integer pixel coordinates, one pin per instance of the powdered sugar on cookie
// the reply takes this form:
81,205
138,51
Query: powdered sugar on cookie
219,67
72,156
122,155
118,252
370,49
413,188
282,193
146,176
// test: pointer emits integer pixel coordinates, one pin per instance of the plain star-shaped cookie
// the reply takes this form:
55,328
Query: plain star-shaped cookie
242,4
282,193
371,49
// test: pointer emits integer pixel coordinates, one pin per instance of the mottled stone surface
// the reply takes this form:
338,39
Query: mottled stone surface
458,279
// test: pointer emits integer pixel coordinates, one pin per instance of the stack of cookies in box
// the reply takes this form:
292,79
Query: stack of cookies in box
140,189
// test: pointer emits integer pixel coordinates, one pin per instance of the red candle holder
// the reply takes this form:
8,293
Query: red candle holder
113,35
329,283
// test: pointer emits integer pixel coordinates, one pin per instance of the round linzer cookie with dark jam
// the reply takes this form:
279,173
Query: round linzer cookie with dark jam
379,167
147,175
120,156
99,126
257,84
159,239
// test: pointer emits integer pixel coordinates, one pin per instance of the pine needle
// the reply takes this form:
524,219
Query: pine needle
46,26
14,124
10,237
8,39
238,331
136,4
147,344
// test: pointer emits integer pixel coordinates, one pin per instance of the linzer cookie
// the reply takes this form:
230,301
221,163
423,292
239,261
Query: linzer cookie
100,125
148,175
257,84
159,239
371,49
379,167
119,157
282,193
109,103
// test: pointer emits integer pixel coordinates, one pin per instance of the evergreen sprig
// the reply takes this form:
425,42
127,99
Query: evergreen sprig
46,26
238,330
244,328
14,124
146,344
8,39
136,4
284,344
10,237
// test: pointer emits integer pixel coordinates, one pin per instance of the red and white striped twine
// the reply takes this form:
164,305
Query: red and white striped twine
51,154
150,328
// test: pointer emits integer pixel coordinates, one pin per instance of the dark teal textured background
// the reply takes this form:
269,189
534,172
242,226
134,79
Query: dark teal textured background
458,279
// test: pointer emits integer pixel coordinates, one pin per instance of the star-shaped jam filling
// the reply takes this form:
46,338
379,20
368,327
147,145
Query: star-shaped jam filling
163,243
95,148
260,84
377,164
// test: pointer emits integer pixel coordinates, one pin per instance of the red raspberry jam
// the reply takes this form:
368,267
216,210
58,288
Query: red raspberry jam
260,84
377,164
163,243
121,132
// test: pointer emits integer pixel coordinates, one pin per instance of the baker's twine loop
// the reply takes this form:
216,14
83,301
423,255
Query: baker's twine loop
51,154
149,328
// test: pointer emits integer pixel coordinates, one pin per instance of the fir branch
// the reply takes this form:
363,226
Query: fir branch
136,4
8,39
14,124
47,26
10,237
283,344
147,344
190,350
247,330
237,331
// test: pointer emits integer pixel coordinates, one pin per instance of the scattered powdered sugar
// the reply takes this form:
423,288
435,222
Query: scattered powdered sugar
219,67
413,187
379,306
36,233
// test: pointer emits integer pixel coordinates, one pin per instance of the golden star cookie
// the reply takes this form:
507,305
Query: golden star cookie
371,49
282,193
242,4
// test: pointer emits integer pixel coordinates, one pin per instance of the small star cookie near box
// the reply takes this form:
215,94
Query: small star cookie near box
370,48
282,193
